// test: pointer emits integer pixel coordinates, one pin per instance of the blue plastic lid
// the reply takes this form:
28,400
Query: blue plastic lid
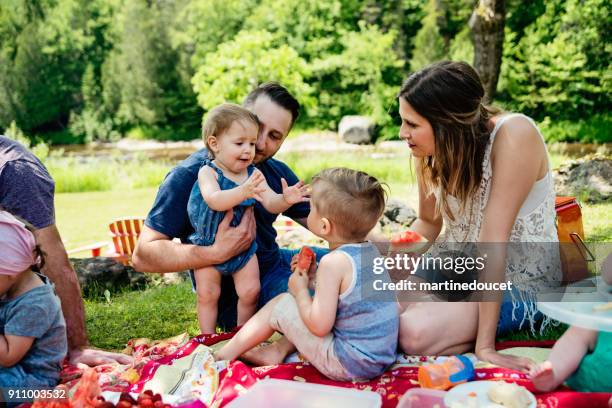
466,374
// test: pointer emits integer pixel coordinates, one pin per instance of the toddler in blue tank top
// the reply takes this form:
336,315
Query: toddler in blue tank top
346,330
229,181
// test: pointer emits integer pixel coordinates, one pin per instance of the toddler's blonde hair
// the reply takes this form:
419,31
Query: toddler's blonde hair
353,200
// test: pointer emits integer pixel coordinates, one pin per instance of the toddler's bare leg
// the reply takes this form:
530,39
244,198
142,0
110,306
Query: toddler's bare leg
254,331
564,358
246,282
208,288
269,354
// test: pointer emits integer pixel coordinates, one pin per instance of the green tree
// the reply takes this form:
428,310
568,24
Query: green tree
429,45
311,28
561,66
142,85
42,51
362,78
238,66
487,24
202,25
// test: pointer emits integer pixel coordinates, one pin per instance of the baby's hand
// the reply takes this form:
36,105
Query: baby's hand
252,188
297,193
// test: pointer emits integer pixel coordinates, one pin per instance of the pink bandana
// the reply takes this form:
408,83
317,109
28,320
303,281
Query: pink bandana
17,245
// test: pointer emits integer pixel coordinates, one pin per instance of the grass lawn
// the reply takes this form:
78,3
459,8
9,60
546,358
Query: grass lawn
83,218
155,313
164,311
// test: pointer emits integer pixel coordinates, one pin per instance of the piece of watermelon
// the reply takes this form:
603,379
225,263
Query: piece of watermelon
408,237
305,258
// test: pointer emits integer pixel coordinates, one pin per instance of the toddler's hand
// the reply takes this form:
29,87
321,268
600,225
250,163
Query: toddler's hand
252,188
297,193
312,270
298,282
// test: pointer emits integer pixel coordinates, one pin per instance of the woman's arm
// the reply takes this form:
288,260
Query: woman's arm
517,147
428,223
13,348
223,200
319,312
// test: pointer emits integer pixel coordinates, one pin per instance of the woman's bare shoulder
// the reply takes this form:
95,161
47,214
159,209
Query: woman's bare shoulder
516,132
519,141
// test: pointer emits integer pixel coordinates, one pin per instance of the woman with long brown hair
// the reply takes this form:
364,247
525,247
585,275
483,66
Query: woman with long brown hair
485,176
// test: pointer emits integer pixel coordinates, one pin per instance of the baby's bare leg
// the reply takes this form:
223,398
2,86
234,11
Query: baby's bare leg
246,282
208,288
564,358
254,331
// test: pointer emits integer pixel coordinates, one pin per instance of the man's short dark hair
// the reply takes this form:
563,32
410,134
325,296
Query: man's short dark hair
277,94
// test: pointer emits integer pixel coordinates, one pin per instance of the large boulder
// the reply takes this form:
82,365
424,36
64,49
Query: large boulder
356,129
100,273
588,178
397,215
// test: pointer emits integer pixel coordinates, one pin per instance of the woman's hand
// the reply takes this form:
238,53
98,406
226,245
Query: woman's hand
297,193
490,355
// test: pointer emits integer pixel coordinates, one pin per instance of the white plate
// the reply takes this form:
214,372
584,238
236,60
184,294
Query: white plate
481,388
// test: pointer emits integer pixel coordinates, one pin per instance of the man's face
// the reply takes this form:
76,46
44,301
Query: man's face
275,124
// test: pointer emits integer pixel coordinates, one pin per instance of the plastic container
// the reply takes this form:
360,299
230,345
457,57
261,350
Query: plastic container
449,372
272,393
422,398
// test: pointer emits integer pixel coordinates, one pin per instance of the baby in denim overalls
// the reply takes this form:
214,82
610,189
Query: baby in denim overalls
227,181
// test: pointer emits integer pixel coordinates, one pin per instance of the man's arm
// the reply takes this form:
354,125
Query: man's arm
59,270
156,252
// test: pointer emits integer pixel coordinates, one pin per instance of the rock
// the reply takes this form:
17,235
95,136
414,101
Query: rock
296,238
102,273
174,277
588,178
397,213
356,129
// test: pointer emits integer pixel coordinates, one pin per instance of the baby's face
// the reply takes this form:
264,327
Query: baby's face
236,147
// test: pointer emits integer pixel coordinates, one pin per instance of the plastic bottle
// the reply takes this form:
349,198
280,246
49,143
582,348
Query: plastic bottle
446,373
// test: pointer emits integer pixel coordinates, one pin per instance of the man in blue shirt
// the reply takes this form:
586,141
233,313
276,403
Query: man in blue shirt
156,251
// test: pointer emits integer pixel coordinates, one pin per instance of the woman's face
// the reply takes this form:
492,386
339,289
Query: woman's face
416,131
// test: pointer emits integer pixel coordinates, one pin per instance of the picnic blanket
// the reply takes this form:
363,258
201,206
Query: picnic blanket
179,365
